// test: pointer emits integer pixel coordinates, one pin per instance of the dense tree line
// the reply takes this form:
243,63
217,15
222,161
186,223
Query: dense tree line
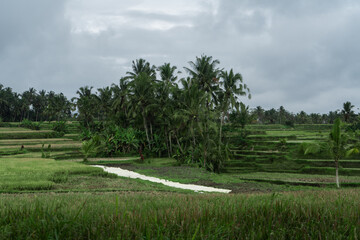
282,116
182,118
152,111
33,105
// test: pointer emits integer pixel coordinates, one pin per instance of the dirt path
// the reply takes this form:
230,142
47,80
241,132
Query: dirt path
130,174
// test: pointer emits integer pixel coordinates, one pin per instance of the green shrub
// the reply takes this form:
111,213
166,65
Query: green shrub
30,124
60,126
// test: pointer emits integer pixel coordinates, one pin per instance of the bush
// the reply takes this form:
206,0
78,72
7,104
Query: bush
122,140
29,124
60,126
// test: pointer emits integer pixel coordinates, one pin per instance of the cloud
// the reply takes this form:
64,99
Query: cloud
299,54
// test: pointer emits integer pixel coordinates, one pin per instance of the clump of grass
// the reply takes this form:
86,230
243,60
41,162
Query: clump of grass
38,173
324,214
46,154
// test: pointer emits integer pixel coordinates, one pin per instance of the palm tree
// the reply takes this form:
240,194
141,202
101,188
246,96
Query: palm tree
120,101
192,107
86,105
141,97
347,111
205,72
27,100
164,104
259,113
167,72
271,115
141,66
337,146
244,115
233,87
282,112
104,102
40,103
302,117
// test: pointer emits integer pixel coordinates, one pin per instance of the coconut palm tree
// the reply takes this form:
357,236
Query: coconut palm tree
104,102
142,95
120,102
141,66
233,87
167,72
259,113
205,73
347,111
337,146
86,105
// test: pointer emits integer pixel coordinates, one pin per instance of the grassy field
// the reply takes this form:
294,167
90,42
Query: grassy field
277,193
301,215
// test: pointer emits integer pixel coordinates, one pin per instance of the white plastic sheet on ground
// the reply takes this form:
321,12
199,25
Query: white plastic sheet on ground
130,174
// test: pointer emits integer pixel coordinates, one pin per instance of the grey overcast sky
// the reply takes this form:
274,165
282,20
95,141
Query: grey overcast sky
303,55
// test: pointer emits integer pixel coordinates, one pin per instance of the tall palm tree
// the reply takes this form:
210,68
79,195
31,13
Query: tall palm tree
86,104
104,102
142,97
282,112
347,111
205,72
233,88
337,146
259,113
141,66
167,72
28,99
120,101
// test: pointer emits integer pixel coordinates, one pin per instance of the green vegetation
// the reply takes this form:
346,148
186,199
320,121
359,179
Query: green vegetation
37,174
193,130
329,214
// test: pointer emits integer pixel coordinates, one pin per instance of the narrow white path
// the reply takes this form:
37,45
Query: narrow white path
130,174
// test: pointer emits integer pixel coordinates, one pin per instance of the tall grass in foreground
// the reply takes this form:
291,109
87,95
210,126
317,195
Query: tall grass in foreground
323,214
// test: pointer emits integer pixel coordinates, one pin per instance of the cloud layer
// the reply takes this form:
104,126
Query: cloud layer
303,55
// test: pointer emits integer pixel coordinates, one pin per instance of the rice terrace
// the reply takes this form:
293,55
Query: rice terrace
181,119
162,158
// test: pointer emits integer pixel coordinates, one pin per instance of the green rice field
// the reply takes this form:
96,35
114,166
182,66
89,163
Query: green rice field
277,192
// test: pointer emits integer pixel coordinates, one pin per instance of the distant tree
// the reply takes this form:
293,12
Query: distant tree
282,113
271,116
315,118
347,111
244,115
86,104
332,116
302,118
104,103
120,103
259,113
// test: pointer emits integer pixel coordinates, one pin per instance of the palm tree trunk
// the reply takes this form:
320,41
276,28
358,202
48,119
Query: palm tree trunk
167,142
193,136
151,132
146,128
221,124
170,143
177,140
337,173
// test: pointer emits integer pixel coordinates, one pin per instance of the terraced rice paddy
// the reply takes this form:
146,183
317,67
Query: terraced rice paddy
290,200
